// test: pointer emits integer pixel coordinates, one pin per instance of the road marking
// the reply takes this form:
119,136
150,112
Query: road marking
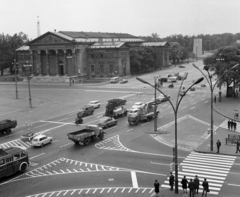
129,130
55,140
134,179
160,163
234,185
192,107
63,119
37,156
40,126
65,145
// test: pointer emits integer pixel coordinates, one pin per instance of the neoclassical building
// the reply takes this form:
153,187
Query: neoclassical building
92,54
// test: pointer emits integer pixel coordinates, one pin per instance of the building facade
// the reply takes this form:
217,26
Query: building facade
88,54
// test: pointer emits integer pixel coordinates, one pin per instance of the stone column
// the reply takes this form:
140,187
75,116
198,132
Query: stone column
73,61
39,67
64,63
57,67
47,63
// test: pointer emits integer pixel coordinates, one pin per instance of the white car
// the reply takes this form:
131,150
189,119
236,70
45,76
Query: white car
95,104
138,105
41,140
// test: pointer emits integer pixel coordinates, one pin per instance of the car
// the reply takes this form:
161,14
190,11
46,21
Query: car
162,98
41,140
95,104
181,66
203,85
107,122
158,100
133,111
114,80
172,79
123,81
86,110
138,105
192,89
28,136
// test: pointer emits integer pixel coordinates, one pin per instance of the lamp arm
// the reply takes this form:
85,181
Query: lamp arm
182,97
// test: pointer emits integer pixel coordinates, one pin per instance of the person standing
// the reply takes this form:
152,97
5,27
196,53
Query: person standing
228,124
237,146
215,99
171,181
196,181
218,146
205,187
184,184
231,124
191,186
234,126
156,186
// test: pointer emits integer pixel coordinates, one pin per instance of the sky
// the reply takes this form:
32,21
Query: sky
136,17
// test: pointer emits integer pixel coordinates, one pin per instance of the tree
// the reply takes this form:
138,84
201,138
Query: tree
175,51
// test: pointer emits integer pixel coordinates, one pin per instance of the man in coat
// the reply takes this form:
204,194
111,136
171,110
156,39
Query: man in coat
218,146
196,181
237,146
184,184
205,187
171,181
156,186
192,187
229,124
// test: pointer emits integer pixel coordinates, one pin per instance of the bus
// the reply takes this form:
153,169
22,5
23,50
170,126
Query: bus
13,160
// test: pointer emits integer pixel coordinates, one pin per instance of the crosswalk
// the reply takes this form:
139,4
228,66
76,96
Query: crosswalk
224,125
213,167
17,142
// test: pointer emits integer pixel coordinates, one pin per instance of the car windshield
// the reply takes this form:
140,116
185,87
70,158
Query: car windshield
35,140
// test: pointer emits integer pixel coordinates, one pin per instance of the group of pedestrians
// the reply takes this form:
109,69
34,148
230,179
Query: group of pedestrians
232,125
193,186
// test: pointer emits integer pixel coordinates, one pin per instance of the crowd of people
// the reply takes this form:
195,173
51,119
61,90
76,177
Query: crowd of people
232,125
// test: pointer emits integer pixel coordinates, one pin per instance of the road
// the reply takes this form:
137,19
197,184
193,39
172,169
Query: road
129,159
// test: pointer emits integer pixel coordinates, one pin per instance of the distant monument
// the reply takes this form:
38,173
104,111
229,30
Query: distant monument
197,47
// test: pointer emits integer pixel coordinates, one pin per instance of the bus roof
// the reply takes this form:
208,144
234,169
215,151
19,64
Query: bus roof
9,151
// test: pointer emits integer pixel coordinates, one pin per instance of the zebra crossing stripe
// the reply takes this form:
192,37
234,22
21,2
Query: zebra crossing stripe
214,155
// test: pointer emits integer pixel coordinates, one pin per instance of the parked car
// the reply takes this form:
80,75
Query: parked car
41,140
123,81
95,104
86,110
107,122
138,105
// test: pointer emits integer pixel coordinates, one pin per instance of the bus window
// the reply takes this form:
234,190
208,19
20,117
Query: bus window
16,157
2,162
24,154
9,160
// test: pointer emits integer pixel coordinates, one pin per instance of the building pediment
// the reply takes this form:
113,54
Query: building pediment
51,38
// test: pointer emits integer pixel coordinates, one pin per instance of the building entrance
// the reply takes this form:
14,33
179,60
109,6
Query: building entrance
60,65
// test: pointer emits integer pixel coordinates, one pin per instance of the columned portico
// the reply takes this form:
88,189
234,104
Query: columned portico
57,63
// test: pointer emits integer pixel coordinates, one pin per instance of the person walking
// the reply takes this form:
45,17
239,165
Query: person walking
229,124
234,126
156,186
191,186
218,146
237,146
205,187
171,181
184,184
196,181
215,99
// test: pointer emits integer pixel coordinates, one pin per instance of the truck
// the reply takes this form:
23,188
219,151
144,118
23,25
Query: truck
119,112
112,108
85,135
145,113
7,125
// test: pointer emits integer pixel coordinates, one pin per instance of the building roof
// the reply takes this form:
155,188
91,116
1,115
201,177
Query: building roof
23,48
99,45
155,44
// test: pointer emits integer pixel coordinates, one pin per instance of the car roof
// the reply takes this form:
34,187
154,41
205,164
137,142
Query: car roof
94,101
39,136
137,103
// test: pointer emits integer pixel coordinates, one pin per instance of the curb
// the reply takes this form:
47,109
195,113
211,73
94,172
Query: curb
204,152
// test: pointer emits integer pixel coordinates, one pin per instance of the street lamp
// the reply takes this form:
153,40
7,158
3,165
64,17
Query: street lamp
27,67
209,80
175,109
15,77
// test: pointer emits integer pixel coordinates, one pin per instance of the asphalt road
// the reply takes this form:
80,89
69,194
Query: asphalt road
128,160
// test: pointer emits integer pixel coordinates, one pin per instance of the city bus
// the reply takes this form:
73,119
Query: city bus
13,160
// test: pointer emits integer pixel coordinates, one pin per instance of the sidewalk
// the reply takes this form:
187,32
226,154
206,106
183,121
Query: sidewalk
224,108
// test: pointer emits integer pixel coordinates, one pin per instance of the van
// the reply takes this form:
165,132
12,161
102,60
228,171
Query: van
114,80
172,79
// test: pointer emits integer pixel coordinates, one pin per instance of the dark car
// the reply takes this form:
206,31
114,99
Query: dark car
86,110
123,81
107,122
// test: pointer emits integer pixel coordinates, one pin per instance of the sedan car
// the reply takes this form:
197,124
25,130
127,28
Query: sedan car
162,98
107,122
41,140
158,100
95,104
123,81
138,105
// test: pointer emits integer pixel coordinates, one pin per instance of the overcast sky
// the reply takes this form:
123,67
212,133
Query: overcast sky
136,17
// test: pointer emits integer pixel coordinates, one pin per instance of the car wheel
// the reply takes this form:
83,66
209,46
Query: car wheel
86,141
23,167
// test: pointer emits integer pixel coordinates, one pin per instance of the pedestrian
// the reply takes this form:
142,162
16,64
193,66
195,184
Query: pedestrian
156,186
218,146
229,122
184,184
171,181
192,187
196,181
231,125
215,99
237,146
205,187
234,126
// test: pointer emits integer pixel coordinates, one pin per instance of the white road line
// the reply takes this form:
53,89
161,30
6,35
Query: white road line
134,179
40,126
129,130
37,156
234,185
63,119
192,107
65,145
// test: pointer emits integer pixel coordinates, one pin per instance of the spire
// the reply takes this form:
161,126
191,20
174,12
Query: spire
38,27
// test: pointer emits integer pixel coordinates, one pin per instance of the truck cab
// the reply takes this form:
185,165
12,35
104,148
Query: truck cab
85,111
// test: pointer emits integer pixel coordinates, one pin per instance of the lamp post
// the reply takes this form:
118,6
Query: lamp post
175,109
27,67
155,103
209,80
15,77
